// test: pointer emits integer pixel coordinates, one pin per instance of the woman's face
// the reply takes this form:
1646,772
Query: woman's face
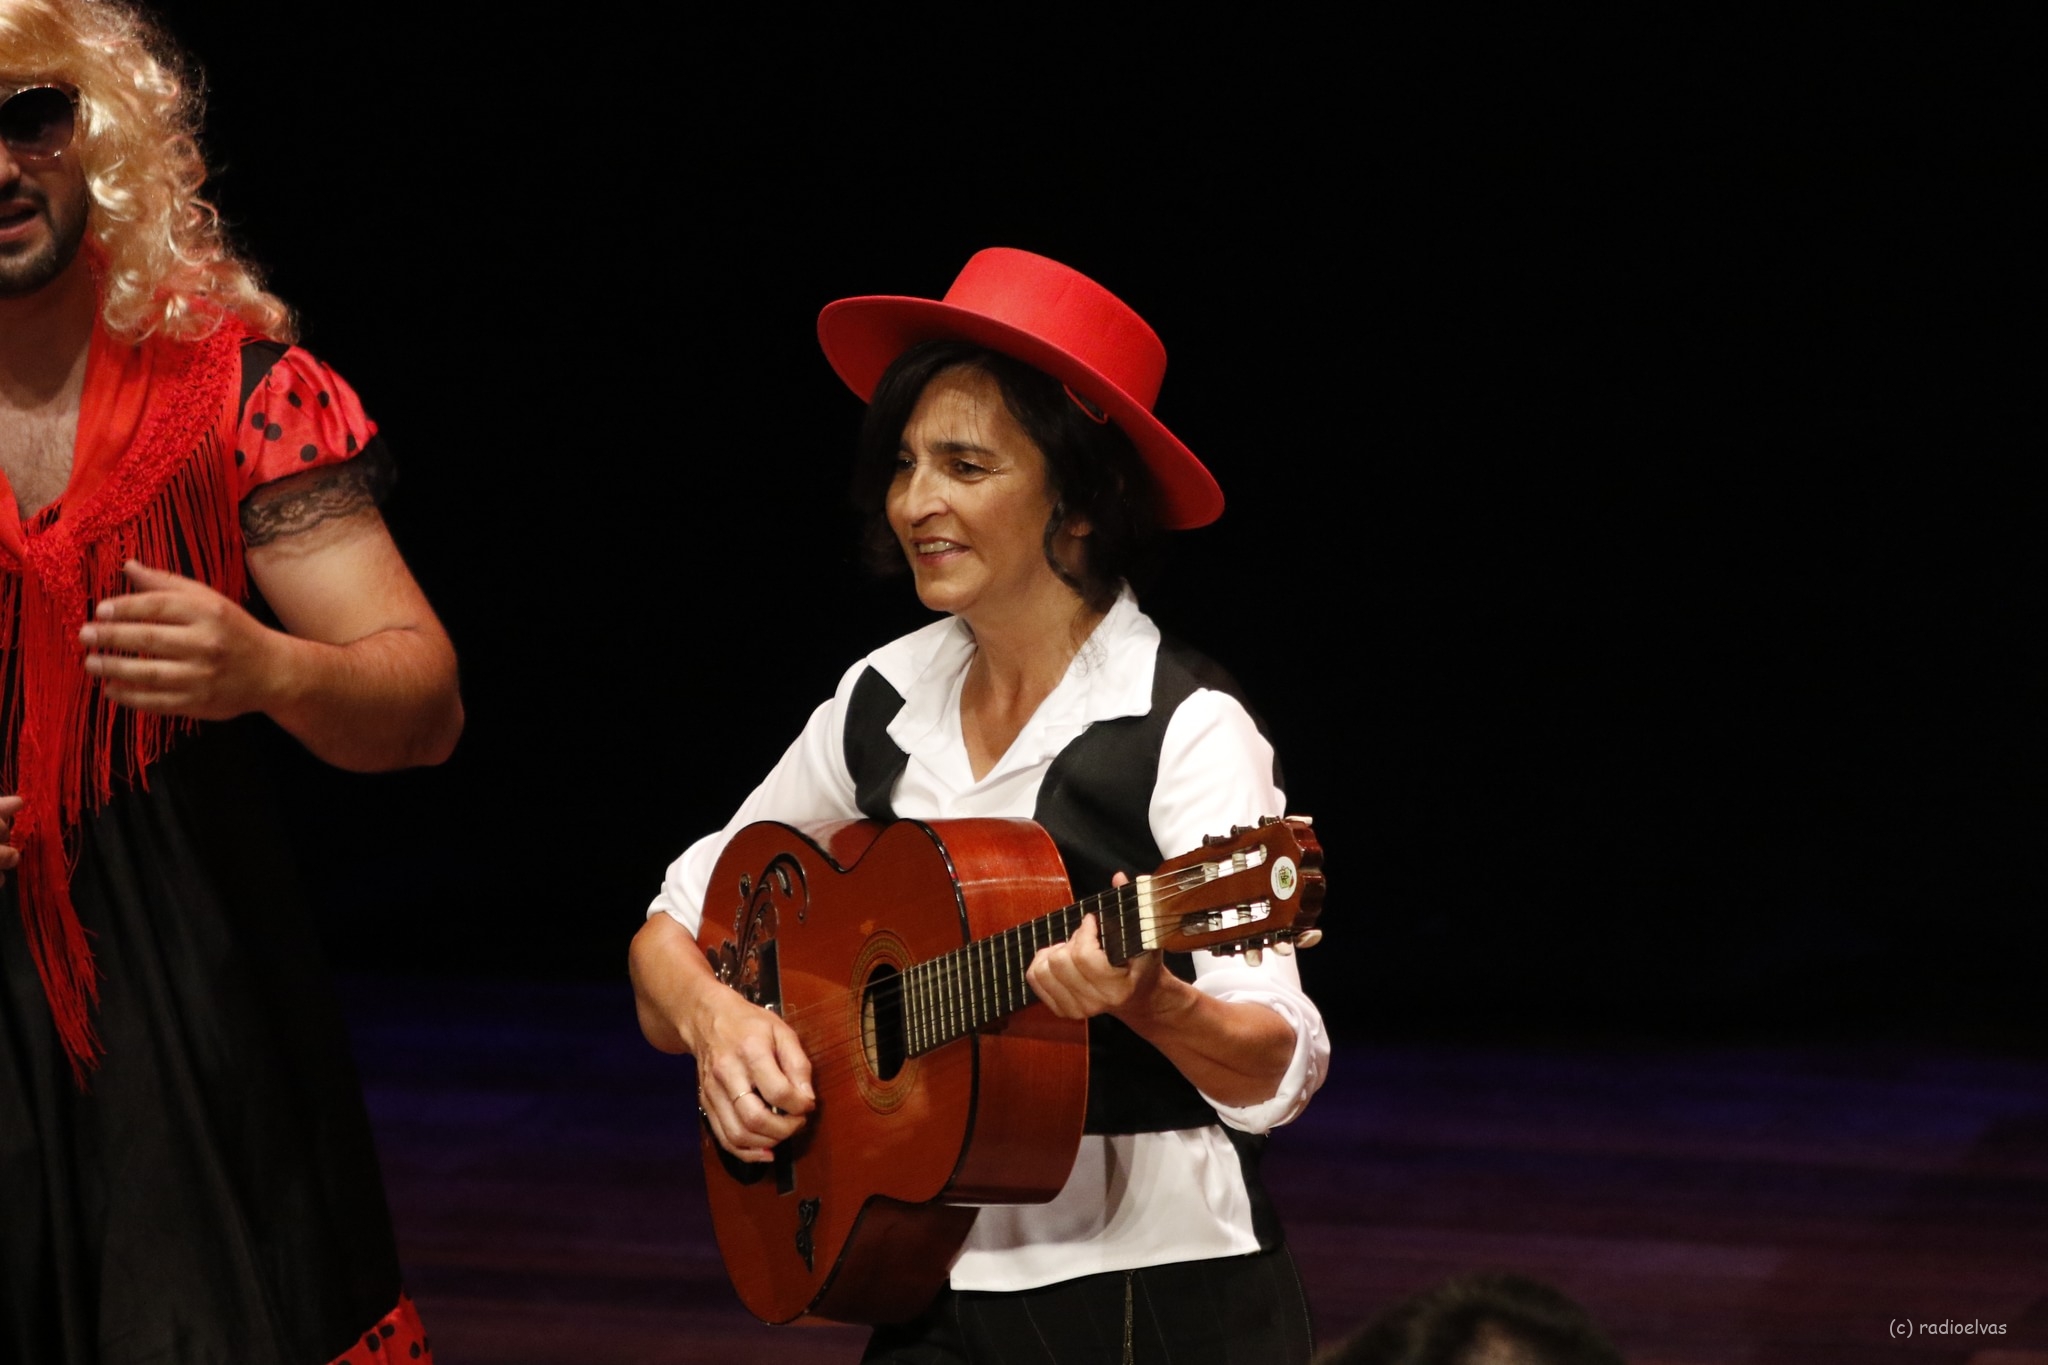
969,504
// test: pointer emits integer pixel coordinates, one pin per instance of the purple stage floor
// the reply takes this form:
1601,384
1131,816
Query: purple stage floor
1710,1206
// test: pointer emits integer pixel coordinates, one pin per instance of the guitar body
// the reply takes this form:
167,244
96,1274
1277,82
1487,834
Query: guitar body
860,1215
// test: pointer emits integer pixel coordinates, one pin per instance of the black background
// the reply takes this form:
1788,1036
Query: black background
1633,527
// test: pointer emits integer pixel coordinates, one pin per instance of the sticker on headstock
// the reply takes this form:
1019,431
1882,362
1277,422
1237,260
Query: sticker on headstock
1284,878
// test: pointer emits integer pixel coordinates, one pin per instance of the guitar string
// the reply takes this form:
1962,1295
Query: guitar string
952,995
955,988
1119,897
989,963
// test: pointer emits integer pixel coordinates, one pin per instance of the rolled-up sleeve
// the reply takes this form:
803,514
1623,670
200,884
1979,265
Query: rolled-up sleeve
1276,984
1215,772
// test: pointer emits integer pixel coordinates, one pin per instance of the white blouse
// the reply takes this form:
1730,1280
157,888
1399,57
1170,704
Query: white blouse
1133,1199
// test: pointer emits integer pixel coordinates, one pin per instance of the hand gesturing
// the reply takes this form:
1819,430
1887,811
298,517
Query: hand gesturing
177,647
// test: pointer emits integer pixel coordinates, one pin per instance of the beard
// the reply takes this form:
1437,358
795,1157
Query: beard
23,275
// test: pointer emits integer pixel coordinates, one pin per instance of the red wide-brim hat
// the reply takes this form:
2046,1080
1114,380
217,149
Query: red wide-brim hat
1050,317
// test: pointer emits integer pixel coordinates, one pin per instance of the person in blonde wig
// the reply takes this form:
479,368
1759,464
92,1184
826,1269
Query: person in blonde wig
166,267
186,1172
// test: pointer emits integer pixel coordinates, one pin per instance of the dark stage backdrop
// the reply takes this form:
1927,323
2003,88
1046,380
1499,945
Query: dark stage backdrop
1630,540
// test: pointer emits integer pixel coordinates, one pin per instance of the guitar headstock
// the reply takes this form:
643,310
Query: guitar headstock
1256,886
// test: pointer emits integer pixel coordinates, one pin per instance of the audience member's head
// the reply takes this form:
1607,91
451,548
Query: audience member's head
1479,1320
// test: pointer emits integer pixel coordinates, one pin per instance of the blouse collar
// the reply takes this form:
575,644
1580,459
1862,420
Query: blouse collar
1110,676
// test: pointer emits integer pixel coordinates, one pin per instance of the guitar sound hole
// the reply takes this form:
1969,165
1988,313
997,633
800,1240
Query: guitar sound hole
881,1021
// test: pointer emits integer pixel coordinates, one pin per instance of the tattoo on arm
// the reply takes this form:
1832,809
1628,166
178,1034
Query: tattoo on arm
293,505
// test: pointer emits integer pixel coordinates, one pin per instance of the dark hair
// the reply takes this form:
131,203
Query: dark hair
1457,1321
1091,468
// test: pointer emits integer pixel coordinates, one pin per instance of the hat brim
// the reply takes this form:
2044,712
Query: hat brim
862,337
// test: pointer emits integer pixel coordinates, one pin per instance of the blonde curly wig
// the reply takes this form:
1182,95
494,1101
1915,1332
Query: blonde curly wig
164,264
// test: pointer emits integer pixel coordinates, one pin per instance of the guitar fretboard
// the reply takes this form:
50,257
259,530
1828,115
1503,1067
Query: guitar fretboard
950,996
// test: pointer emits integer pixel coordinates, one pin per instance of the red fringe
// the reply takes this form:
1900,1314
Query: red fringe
170,503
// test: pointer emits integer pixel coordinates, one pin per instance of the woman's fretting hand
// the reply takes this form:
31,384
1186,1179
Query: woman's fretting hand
1235,1052
1076,979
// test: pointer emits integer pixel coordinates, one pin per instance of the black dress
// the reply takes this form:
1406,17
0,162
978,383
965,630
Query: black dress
212,1195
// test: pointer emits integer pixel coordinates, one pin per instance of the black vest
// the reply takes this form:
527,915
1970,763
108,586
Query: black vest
1095,802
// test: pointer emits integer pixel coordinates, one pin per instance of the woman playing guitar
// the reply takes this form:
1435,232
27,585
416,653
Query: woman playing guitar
1011,458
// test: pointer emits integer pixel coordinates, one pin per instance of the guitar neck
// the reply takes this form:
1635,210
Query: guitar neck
1255,885
949,997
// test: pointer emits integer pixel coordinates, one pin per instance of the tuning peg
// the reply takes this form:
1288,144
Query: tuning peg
1236,830
1309,820
1308,938
1215,840
1285,947
1254,956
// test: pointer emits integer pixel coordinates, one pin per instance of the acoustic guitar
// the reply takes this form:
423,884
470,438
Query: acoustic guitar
897,953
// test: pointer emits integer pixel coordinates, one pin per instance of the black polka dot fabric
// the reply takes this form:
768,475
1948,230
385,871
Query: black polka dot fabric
304,415
399,1336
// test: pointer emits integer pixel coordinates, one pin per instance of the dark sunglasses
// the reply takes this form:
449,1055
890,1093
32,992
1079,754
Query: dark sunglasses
37,121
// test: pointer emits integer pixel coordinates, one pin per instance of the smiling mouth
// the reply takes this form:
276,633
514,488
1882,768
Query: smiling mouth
937,547
15,214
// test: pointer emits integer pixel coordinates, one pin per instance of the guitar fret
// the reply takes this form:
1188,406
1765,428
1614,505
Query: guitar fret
956,1022
999,962
1029,942
982,1012
1009,970
1020,993
956,964
1030,950
984,986
999,972
912,1042
1021,962
973,992
953,996
918,999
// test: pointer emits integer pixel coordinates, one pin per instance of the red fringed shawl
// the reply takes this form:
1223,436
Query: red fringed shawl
151,480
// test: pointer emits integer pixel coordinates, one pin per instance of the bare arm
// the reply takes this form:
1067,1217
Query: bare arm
753,1080
362,673
1234,1051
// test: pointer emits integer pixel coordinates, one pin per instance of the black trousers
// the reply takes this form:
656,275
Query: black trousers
1236,1310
